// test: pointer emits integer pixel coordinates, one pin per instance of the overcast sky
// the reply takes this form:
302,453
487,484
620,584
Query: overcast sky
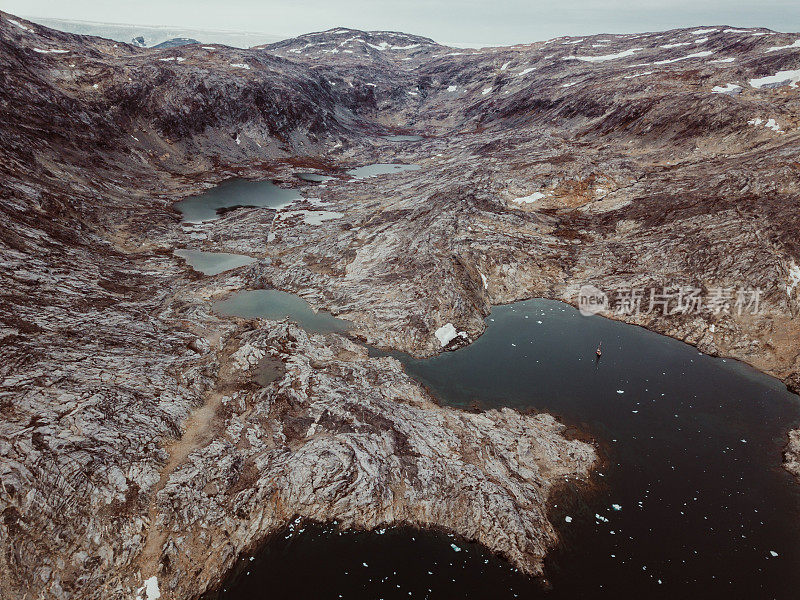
473,22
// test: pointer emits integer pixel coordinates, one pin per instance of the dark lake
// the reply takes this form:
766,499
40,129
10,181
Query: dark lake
234,193
692,503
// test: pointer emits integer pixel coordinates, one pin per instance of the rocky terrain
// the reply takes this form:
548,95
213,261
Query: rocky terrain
146,442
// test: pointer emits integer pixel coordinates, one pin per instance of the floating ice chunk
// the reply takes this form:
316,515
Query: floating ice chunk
728,89
773,554
780,79
240,66
455,548
529,199
568,519
616,507
688,56
600,518
795,44
620,391
364,564
605,57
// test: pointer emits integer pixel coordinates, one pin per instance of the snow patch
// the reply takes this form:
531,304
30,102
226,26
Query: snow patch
487,90
605,57
780,79
525,71
728,88
703,31
452,88
688,56
529,199
796,44
723,60
241,65
150,589
446,334
18,24
794,278
638,75
50,51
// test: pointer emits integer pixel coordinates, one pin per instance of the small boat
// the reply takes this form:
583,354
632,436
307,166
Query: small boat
599,351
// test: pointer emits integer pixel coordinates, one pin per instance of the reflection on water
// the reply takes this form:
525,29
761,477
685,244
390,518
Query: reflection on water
213,263
380,169
314,177
692,503
234,193
273,304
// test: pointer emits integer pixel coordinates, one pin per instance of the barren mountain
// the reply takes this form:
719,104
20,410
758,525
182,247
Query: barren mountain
139,436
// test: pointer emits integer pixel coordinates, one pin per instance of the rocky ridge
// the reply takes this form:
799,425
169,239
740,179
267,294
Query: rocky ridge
130,413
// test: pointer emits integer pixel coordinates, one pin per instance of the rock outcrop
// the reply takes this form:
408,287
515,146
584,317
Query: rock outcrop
138,430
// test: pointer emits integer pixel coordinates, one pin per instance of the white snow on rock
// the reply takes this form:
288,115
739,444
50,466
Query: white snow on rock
638,75
780,79
688,56
677,44
722,60
150,589
701,40
50,51
446,334
703,31
728,88
208,47
796,44
794,278
525,71
485,281
529,199
487,90
18,24
452,88
736,31
605,57
505,66
769,124
240,65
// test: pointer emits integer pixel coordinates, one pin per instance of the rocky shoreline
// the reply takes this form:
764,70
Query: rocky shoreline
139,430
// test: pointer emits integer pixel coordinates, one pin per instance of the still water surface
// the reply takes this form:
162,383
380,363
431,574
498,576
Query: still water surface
692,503
234,193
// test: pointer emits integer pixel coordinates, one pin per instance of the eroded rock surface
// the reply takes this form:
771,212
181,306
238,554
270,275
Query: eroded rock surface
139,430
